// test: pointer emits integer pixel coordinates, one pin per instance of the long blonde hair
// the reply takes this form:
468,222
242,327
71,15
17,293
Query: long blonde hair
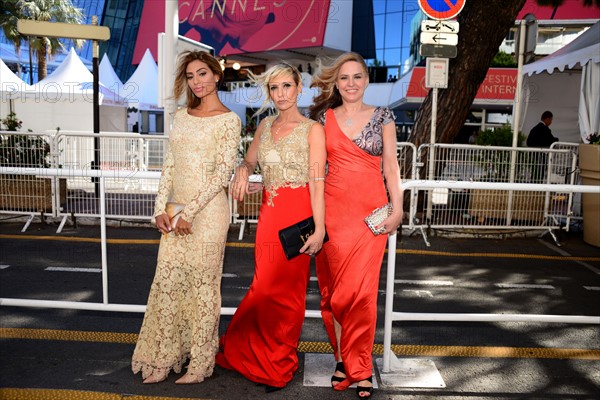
325,81
181,84
265,78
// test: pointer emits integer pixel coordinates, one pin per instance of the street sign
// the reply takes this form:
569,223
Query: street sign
450,39
62,30
439,26
441,9
436,73
437,50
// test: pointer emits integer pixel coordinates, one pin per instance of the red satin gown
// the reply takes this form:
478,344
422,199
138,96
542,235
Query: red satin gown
261,341
348,266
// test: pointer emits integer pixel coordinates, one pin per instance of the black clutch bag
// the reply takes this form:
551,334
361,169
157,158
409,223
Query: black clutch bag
293,237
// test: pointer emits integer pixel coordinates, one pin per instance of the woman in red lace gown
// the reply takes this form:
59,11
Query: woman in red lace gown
262,339
360,139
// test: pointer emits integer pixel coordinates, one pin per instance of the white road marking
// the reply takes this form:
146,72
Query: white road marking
591,287
4,266
229,275
429,283
419,293
70,269
523,286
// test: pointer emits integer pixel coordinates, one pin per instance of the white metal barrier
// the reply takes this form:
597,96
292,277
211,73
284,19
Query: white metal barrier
501,209
391,315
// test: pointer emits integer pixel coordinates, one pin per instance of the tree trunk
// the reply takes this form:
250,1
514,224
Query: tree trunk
483,26
41,55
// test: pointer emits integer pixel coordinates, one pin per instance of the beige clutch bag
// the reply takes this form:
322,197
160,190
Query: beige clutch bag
377,217
173,211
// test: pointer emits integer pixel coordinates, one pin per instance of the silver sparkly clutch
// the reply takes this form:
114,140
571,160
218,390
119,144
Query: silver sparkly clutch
377,217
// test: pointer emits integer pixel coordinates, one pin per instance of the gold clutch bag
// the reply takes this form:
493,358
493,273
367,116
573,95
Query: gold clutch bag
173,211
377,217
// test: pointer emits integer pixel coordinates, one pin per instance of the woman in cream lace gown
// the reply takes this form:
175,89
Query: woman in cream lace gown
182,315
262,339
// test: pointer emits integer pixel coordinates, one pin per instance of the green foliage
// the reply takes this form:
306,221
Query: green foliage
11,122
593,138
22,150
502,136
503,60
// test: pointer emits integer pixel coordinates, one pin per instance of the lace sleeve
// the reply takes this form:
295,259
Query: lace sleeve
217,174
165,185
387,116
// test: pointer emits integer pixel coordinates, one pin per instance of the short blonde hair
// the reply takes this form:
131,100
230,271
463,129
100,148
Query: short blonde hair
275,71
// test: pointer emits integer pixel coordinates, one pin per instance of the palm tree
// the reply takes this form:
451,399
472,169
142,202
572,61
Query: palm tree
39,10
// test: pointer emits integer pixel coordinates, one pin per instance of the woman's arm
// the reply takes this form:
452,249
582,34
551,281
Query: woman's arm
316,160
247,166
165,186
391,171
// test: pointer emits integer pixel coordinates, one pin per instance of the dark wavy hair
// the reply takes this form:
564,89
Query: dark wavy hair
181,85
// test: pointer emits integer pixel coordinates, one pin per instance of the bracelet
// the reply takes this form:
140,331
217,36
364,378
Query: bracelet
318,179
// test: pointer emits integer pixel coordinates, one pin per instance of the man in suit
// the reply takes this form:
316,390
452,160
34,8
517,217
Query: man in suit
541,135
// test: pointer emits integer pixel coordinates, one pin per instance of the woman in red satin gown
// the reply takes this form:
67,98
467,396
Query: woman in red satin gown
262,339
360,138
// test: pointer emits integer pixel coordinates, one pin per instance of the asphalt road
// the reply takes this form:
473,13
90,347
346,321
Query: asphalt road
56,354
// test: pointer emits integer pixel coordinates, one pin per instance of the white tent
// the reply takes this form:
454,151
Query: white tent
567,82
10,83
108,76
141,88
64,99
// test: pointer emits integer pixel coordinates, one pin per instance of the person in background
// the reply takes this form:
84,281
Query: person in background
360,139
262,339
541,135
184,304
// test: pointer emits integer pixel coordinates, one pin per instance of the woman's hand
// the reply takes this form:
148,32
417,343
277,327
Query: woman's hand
313,244
391,223
240,183
254,187
182,227
163,224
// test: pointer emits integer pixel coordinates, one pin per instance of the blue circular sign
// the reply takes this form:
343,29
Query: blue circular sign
441,9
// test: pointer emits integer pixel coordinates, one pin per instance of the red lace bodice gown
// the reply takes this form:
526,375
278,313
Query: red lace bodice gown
261,341
348,266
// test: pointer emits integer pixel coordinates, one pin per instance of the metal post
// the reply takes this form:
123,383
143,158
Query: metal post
431,171
96,100
170,55
516,115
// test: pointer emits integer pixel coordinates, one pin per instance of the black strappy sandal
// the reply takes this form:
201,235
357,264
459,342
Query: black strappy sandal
339,367
368,389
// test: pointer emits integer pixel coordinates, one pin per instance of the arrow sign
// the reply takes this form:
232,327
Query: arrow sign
439,26
449,39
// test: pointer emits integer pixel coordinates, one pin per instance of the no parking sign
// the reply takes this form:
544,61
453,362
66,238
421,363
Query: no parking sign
441,9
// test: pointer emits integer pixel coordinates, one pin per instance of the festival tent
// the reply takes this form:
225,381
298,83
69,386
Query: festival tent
567,82
64,99
141,89
109,77
10,83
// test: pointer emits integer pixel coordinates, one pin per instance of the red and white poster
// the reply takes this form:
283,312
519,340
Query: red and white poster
239,26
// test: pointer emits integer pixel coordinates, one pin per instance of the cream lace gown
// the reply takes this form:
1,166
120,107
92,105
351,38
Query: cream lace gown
183,309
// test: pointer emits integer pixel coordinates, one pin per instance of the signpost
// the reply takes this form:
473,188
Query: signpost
449,39
438,43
